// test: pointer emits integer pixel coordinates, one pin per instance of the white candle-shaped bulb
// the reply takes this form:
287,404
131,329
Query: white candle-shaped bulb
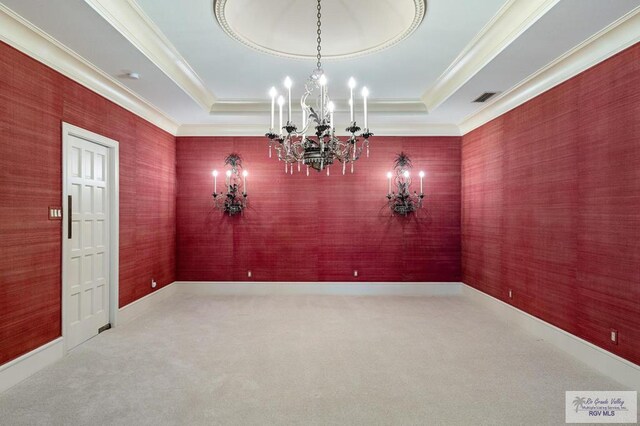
273,93
332,108
228,178
323,87
365,95
352,85
351,108
421,174
215,181
389,176
406,174
280,104
288,83
244,181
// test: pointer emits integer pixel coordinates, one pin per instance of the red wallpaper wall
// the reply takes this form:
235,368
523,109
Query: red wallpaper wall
34,101
318,228
551,205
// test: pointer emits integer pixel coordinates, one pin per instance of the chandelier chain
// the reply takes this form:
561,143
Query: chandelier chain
319,39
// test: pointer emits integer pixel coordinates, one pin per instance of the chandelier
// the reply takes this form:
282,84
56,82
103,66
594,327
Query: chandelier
315,143
403,202
234,199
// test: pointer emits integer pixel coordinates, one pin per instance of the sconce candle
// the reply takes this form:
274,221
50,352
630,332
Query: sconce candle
244,180
421,177
389,175
215,181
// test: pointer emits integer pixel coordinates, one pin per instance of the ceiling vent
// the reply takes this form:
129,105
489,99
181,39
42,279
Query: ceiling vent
485,97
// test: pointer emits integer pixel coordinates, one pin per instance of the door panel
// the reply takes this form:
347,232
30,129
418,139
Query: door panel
87,256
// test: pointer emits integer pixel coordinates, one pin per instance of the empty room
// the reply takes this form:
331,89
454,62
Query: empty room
319,212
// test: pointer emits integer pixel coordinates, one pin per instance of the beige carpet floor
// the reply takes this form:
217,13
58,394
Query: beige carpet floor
306,360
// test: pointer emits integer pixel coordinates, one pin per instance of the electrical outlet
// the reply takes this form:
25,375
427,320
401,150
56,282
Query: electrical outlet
510,294
614,336
249,274
355,273
153,283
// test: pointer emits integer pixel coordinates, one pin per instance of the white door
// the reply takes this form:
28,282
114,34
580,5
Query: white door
86,255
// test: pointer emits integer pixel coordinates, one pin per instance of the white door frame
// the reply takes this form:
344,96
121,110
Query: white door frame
114,216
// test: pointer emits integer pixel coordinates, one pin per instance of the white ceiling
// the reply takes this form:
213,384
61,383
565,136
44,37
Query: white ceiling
202,76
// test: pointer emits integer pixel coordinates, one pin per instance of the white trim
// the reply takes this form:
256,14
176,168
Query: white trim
261,106
506,26
609,364
15,371
413,129
131,21
320,288
30,40
138,307
114,216
616,37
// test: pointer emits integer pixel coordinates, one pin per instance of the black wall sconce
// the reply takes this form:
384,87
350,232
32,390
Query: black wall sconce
403,201
234,200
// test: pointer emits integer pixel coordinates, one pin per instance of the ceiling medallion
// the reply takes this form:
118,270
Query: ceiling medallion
300,146
259,24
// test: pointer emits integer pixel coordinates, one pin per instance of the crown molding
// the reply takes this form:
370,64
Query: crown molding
513,18
614,38
386,106
415,129
131,21
30,40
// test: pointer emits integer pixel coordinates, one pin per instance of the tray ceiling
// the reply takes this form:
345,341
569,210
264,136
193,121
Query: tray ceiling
423,82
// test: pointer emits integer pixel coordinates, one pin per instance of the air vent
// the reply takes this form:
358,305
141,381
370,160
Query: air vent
485,96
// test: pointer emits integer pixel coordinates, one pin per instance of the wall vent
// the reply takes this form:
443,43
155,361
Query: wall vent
485,97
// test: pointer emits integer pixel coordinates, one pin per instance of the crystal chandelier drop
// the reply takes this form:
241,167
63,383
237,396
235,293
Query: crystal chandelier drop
315,144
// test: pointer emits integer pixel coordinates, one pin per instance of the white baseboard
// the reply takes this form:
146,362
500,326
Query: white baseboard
609,364
135,309
316,288
13,372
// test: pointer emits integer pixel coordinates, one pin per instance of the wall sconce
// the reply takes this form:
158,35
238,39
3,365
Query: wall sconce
235,198
403,202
